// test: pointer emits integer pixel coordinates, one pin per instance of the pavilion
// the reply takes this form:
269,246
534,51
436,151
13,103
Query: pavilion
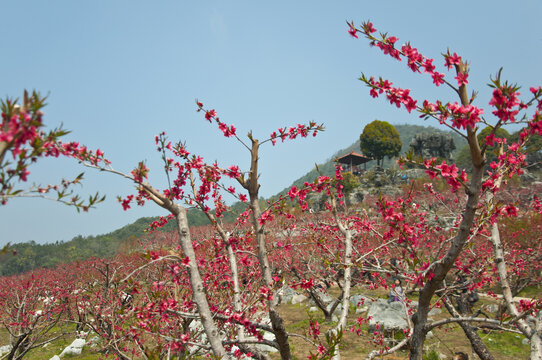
353,159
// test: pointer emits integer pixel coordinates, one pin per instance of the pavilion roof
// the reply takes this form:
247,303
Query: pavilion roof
353,158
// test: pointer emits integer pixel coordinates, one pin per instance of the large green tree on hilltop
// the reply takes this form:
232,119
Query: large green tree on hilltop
380,139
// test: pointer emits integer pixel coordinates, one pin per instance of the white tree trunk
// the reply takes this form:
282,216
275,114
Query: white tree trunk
196,283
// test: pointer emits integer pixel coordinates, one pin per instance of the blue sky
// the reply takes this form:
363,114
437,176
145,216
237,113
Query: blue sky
119,72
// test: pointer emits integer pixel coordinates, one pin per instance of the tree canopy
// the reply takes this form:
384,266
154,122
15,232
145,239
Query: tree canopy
380,139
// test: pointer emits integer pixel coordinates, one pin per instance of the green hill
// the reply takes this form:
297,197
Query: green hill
407,133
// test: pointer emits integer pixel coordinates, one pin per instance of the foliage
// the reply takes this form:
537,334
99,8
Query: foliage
380,139
349,182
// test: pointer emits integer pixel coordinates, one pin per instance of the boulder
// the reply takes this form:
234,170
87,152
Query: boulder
359,301
434,311
5,349
93,341
74,348
234,348
296,299
324,297
286,294
390,316
361,310
56,357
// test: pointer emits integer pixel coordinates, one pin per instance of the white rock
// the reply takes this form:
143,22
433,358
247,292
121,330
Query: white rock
74,348
81,334
5,349
313,309
434,311
262,347
390,316
359,300
362,309
55,358
296,299
492,308
93,341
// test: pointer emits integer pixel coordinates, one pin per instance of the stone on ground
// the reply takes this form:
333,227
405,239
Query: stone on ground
74,348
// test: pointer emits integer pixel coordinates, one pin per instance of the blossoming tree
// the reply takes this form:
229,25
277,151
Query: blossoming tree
481,211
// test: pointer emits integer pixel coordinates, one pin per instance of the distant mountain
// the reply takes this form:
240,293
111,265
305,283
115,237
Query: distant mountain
26,256
407,133
23,257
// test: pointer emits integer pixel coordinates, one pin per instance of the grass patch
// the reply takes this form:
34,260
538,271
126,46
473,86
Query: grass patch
55,347
531,292
506,343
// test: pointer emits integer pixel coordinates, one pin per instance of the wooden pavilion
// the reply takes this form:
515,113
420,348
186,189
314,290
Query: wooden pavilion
353,160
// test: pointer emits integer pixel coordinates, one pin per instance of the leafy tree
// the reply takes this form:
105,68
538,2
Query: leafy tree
380,139
349,182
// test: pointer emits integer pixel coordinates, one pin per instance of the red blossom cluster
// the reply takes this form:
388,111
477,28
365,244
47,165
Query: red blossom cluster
415,60
395,95
23,141
450,172
211,115
295,131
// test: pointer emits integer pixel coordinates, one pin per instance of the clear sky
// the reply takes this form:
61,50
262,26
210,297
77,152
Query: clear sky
119,72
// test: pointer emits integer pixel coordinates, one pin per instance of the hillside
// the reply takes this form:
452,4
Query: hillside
407,133
26,256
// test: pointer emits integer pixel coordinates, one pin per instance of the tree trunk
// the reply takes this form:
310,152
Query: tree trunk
196,283
534,335
536,339
341,326
253,188
347,233
443,267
